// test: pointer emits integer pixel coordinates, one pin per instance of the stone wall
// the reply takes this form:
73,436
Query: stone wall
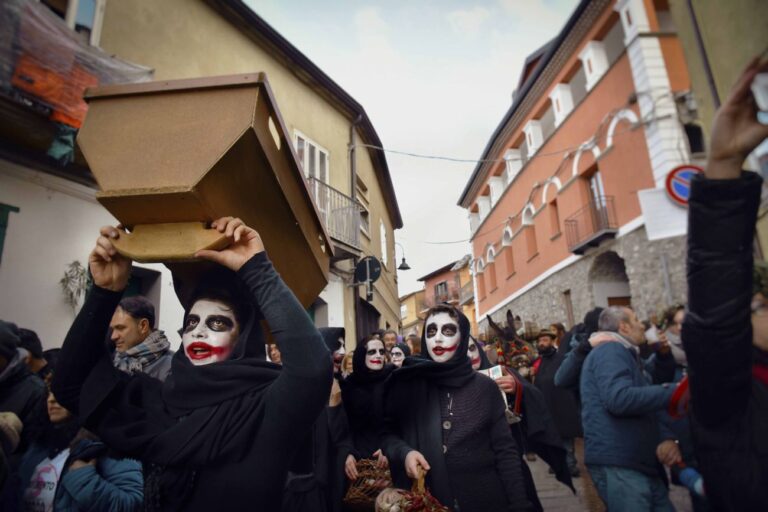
545,303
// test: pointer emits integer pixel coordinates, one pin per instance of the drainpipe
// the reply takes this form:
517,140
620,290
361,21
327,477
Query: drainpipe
353,194
703,54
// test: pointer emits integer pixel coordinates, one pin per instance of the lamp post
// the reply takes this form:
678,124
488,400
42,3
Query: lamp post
403,265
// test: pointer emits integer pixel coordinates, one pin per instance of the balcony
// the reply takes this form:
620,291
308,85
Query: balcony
592,224
340,214
467,293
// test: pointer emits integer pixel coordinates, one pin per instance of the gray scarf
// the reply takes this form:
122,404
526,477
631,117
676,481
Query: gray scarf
137,358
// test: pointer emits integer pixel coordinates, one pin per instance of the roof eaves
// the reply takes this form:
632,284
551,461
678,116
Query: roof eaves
551,49
238,13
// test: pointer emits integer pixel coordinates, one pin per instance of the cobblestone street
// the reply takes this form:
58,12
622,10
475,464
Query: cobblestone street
556,497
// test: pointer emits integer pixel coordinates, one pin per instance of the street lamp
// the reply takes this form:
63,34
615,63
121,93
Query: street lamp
403,265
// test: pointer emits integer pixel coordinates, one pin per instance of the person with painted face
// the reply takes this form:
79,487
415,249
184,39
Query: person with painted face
444,418
398,354
334,338
224,424
362,394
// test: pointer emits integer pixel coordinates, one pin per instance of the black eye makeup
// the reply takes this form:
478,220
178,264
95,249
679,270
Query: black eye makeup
473,348
373,351
191,323
431,330
449,329
219,323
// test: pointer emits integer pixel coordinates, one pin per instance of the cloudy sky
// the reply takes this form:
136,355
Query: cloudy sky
436,77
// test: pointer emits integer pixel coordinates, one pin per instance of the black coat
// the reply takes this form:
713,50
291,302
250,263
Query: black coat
25,395
226,443
729,406
562,403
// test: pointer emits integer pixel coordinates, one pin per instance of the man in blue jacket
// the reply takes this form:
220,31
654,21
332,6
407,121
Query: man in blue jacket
624,436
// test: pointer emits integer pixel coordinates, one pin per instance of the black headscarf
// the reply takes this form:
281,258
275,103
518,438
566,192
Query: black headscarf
455,372
484,362
331,337
361,374
405,348
200,415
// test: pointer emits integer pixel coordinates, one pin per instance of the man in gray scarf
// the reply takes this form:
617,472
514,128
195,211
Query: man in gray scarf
139,348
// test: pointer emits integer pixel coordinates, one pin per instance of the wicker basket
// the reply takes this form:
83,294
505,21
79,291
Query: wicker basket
371,480
420,499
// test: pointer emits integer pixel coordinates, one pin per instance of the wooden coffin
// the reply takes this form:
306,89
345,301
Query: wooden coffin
171,156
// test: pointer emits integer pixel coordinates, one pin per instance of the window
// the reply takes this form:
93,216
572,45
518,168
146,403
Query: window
554,218
5,211
530,241
384,247
83,16
480,286
313,158
441,292
491,272
365,220
404,311
509,260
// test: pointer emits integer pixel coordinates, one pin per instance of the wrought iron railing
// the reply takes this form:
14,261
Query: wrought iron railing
591,224
339,212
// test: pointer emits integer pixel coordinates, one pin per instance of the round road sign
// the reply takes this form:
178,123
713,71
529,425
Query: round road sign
679,183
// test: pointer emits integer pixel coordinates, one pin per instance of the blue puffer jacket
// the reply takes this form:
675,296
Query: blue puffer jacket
113,485
621,410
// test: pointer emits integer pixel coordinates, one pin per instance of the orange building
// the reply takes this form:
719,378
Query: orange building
567,208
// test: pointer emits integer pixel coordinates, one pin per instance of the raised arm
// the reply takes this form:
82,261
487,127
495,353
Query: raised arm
301,391
717,332
84,344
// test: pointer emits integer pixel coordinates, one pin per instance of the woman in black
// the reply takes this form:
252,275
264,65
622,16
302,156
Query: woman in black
362,394
443,417
222,429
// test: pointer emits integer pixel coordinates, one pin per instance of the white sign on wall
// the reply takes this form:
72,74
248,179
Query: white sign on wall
663,219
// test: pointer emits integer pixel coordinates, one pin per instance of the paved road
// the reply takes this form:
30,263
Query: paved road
555,497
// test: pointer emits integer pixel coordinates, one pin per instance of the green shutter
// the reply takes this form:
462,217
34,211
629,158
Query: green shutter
5,209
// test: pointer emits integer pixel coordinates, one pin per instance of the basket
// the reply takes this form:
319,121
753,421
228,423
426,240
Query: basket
420,499
371,480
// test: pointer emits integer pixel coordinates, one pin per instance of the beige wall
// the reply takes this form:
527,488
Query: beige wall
186,39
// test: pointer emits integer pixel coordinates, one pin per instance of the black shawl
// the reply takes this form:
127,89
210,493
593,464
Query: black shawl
363,396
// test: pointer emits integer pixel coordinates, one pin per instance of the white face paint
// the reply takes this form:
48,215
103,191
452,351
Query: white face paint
374,355
442,336
210,332
397,356
338,355
473,352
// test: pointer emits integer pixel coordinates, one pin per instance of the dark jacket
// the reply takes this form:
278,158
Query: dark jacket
114,485
230,441
729,406
561,402
621,410
24,394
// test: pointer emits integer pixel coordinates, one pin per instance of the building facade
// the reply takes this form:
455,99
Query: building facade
451,284
351,187
567,209
411,307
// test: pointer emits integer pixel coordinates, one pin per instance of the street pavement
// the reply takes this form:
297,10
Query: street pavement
556,497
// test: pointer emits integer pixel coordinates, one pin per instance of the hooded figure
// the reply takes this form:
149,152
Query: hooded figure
398,353
449,419
334,339
224,424
362,394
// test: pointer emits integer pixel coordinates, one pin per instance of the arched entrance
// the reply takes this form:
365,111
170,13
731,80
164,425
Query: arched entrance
609,282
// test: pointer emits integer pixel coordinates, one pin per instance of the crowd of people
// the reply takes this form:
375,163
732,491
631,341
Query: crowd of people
114,420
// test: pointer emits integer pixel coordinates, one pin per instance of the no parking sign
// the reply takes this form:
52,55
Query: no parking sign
679,183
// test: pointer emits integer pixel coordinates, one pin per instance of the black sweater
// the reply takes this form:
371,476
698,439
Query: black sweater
291,403
729,406
479,467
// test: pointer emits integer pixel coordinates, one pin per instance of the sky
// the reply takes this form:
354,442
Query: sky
435,77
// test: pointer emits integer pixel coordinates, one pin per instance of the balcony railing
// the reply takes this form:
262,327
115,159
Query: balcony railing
339,212
467,293
591,225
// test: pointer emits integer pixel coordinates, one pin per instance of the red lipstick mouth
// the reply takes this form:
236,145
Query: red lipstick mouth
476,360
199,350
442,350
376,361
